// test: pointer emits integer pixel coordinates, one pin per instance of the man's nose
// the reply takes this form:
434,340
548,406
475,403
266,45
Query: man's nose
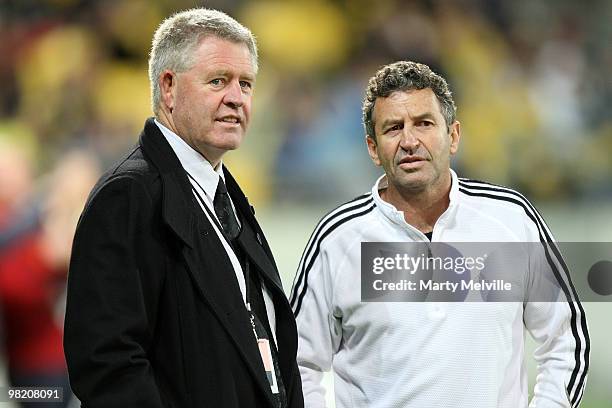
234,95
409,141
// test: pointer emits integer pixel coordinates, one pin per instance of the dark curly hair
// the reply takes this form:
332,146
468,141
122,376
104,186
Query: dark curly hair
401,76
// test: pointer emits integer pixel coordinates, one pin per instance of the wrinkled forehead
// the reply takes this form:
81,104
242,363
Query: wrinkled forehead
219,54
225,43
410,102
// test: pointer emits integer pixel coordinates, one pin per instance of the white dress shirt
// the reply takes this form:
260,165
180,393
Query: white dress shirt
207,179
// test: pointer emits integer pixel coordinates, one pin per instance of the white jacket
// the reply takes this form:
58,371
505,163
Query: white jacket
432,354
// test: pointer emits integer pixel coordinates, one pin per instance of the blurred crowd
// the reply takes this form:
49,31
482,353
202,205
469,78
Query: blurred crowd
531,80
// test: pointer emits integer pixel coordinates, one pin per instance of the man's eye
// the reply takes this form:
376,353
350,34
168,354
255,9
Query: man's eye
394,128
246,84
425,123
217,81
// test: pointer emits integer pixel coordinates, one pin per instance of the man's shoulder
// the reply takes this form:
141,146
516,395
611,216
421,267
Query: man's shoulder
500,202
133,169
496,195
344,219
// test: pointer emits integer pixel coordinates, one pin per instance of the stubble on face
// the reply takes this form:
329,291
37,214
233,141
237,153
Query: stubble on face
413,143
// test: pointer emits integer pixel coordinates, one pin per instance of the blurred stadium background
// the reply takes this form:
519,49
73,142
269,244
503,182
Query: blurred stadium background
531,80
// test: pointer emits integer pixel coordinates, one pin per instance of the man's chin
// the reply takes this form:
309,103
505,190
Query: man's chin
228,142
413,181
230,146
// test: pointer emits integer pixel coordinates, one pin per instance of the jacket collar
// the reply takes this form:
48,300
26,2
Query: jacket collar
194,163
253,238
177,195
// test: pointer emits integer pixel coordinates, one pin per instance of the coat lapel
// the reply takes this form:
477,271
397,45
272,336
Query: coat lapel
252,239
253,248
207,262
214,277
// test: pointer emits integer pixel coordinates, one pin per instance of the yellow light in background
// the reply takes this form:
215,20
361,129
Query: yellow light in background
492,103
52,68
133,23
19,134
122,96
60,55
299,36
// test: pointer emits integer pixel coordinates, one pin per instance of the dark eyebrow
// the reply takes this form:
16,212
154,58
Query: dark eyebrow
387,122
416,118
426,115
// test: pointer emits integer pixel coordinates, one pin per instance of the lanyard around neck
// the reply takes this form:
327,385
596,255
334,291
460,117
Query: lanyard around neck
214,219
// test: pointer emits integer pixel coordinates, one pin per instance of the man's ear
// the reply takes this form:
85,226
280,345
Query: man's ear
167,89
455,136
372,150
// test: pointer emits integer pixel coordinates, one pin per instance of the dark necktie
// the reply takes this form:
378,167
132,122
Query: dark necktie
229,223
224,211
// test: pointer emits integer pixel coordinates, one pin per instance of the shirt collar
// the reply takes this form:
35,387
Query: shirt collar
396,216
193,162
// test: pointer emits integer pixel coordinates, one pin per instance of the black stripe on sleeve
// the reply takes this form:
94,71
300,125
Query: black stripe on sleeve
369,206
358,202
473,188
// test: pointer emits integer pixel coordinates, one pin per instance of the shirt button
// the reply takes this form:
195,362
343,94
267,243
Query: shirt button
436,312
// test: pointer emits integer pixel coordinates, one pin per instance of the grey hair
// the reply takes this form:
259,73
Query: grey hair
403,76
177,37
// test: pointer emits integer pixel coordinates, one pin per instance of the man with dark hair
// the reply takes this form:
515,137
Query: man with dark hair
428,354
174,298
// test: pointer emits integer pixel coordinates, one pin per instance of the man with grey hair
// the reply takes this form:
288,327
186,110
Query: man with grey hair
174,298
428,353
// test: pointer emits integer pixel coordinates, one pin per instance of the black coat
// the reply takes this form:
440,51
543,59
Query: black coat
154,316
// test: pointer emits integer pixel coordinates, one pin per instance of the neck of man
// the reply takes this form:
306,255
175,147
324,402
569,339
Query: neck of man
165,118
421,208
